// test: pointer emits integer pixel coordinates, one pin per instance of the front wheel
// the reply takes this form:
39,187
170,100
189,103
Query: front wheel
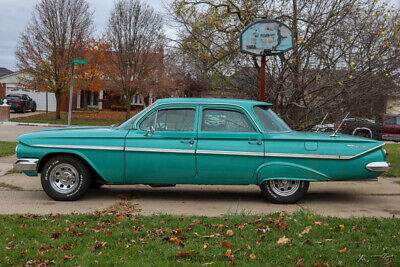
34,108
65,178
284,191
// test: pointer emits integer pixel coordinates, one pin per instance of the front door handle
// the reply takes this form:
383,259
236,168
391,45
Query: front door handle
256,142
191,142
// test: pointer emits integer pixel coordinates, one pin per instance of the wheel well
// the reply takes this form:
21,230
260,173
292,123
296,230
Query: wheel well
363,129
94,174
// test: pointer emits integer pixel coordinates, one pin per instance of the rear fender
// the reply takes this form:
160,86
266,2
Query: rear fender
288,171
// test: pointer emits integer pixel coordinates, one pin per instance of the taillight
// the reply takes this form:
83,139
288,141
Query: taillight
386,154
19,102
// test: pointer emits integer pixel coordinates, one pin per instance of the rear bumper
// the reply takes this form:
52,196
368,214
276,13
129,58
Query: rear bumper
26,164
380,166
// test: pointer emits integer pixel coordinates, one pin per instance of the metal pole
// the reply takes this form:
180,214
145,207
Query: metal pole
262,79
71,90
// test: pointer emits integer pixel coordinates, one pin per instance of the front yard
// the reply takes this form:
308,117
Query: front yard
88,118
162,240
7,148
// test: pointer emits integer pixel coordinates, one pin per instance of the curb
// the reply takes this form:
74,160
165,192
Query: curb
32,124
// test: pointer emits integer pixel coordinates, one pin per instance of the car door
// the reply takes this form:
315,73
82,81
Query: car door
162,149
229,148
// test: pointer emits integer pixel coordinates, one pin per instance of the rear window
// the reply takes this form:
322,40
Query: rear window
13,97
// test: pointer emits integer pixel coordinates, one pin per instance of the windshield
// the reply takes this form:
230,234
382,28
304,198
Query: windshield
270,121
132,121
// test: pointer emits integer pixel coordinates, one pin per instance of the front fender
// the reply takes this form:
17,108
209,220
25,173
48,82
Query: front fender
289,171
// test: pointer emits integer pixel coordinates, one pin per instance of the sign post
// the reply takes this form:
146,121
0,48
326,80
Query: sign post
265,37
71,89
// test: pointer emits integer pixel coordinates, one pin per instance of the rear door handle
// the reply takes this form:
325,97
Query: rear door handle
188,141
255,142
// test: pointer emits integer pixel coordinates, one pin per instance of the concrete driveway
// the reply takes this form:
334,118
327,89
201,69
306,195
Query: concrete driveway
22,194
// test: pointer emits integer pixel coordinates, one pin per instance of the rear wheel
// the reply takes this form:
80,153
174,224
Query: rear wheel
65,178
34,108
284,191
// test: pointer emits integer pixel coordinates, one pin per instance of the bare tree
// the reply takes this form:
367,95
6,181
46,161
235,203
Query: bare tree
346,52
135,35
55,34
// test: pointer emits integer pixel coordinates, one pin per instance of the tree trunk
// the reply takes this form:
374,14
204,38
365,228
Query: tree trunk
58,103
129,98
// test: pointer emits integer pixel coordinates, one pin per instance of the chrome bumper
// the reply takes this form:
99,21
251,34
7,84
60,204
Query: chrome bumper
380,166
26,164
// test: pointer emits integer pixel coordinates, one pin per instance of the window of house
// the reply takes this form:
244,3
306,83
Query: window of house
225,120
170,120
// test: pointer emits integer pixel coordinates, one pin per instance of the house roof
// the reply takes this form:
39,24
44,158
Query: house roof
240,102
4,71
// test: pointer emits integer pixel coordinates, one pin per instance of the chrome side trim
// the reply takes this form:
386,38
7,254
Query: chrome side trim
161,150
199,103
26,164
316,156
309,156
119,148
232,153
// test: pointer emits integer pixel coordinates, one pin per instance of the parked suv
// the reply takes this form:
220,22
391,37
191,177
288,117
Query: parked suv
21,102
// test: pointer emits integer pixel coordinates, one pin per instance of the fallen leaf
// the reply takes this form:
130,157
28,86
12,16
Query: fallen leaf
120,218
283,240
228,252
208,263
99,244
252,256
56,235
248,247
305,231
226,244
182,254
310,217
205,246
300,262
343,250
341,226
229,233
318,223
68,257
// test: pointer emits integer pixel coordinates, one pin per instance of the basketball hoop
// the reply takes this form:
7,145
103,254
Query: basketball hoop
263,38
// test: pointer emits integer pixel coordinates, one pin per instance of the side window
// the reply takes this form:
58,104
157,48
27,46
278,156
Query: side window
390,120
224,120
148,122
170,120
175,120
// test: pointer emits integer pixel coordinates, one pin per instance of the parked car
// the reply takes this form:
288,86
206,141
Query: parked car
21,102
197,141
386,129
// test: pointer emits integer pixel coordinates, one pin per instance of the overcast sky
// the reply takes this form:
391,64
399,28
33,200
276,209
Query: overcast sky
15,14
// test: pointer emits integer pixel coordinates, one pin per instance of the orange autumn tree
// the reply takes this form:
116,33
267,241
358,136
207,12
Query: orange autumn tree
56,33
90,77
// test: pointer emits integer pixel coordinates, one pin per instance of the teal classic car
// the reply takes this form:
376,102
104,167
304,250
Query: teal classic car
197,141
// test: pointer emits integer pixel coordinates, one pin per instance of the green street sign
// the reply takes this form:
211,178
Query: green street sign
79,61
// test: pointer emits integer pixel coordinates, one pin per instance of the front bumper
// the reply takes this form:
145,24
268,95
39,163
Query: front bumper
380,166
25,164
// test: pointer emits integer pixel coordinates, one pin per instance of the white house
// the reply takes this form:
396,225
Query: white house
12,82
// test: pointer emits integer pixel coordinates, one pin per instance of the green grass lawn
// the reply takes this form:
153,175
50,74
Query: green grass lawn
394,158
7,148
75,120
163,240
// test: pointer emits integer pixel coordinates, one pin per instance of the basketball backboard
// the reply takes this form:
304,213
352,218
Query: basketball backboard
266,37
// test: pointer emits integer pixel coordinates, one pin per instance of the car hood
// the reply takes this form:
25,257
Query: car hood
72,135
320,144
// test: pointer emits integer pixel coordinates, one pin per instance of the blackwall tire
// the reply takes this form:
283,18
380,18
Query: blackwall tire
284,191
34,108
65,178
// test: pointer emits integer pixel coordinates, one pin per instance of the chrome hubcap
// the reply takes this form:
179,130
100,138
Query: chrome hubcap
284,187
64,178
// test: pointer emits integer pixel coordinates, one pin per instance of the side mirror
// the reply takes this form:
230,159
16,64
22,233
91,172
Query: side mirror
150,132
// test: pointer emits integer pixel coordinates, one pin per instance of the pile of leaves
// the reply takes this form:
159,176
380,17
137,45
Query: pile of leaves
278,239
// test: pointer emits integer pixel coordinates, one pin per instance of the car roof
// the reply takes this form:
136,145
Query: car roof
14,95
240,102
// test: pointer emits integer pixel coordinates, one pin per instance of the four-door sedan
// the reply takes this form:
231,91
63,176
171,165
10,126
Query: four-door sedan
197,141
